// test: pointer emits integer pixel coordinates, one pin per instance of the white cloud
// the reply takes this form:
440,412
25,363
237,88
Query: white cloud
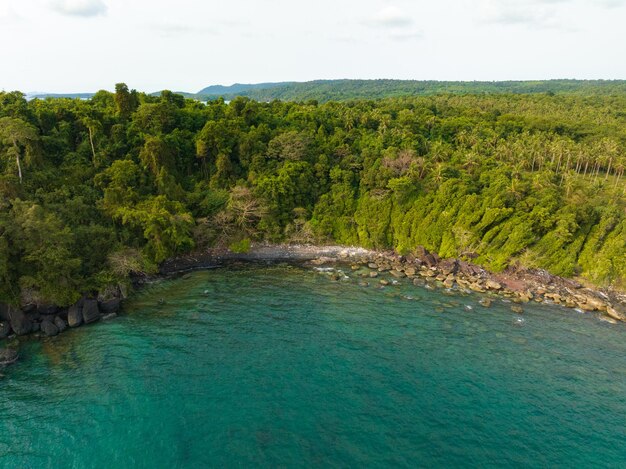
84,8
391,17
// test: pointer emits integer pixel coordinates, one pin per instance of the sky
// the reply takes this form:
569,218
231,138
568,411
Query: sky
185,45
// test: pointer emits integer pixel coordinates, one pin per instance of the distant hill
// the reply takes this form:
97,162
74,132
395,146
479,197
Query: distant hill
339,90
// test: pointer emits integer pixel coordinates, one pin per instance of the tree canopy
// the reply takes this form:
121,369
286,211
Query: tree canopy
94,190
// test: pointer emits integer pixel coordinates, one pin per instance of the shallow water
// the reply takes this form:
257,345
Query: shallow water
281,367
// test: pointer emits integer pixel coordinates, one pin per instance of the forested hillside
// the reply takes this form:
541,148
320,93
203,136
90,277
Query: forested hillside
341,90
94,190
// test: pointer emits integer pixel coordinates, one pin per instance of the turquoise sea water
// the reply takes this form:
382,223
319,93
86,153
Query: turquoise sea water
281,367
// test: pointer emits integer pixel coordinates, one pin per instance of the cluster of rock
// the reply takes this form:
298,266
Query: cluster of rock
519,285
50,320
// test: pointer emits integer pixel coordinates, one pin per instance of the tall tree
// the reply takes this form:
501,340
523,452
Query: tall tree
20,141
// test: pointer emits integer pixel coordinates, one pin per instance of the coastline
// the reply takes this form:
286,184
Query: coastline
520,285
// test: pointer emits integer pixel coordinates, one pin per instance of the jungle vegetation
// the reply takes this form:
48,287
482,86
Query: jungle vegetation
93,191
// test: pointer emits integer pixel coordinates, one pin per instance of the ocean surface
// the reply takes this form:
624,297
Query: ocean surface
280,366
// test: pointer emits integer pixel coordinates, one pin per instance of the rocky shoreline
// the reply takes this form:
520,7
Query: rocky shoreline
520,285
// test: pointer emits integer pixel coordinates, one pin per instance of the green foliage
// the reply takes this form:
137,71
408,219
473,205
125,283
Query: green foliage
241,246
113,185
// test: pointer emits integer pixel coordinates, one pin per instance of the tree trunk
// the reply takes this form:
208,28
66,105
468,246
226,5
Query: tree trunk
93,149
17,159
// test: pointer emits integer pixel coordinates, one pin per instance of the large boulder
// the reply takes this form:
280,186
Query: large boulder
20,323
47,310
5,329
8,356
91,312
60,323
110,306
49,328
75,315
4,312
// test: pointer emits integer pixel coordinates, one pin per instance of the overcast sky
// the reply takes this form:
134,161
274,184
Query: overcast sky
185,45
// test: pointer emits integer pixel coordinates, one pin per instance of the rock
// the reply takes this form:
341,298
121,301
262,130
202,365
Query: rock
372,265
410,271
20,323
373,274
48,328
364,284
493,285
74,316
36,326
589,303
335,277
5,329
448,283
29,308
427,273
91,313
449,266
486,302
477,288
397,274
110,306
60,323
384,282
517,309
108,317
613,313
4,312
430,260
320,261
355,267
47,310
8,356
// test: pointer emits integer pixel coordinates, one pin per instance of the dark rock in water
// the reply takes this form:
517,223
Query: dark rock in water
5,329
35,327
109,316
74,316
110,306
91,313
47,310
20,323
486,302
8,356
517,309
60,323
48,328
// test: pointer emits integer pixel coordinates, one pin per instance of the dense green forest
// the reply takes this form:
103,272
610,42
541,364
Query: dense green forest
92,191
341,90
